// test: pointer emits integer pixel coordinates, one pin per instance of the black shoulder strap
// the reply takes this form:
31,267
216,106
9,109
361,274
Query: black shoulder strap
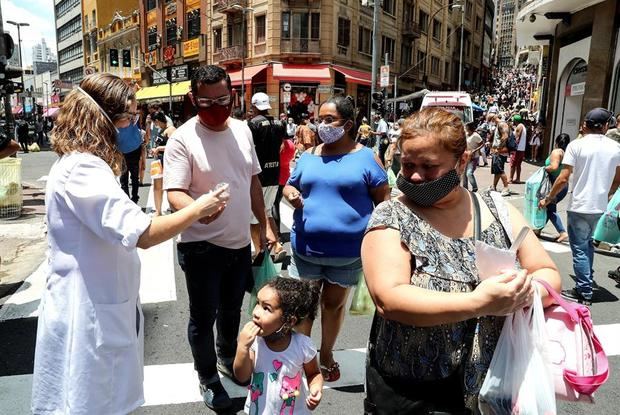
477,226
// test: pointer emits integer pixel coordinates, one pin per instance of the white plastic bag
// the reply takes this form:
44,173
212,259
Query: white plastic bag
519,380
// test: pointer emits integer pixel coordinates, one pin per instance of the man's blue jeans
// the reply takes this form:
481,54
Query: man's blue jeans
216,279
580,229
469,177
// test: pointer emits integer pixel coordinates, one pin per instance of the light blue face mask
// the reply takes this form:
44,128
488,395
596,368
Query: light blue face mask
98,106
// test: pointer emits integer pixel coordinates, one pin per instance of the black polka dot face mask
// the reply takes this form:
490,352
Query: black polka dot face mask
428,193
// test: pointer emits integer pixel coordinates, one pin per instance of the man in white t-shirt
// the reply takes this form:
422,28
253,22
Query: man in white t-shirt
594,162
381,133
214,253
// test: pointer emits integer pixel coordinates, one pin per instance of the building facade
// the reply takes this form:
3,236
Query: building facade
68,16
580,59
302,52
42,53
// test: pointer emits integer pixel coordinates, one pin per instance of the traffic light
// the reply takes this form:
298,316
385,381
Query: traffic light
8,72
378,103
114,57
126,58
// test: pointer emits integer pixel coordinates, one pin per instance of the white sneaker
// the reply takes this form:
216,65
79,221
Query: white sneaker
505,192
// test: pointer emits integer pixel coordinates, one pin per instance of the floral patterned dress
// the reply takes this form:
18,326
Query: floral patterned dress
439,263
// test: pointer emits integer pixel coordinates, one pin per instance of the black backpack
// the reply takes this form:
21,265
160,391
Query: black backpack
511,143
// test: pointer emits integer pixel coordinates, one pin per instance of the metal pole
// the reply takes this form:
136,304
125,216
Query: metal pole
375,46
461,53
21,62
160,77
244,34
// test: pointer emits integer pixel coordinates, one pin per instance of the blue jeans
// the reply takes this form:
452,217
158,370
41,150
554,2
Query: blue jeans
552,209
216,280
469,175
580,229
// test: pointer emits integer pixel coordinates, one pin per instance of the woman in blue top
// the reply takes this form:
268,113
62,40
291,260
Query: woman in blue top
333,189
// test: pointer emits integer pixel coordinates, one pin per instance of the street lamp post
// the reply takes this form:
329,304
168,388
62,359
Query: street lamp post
461,51
244,11
155,72
21,62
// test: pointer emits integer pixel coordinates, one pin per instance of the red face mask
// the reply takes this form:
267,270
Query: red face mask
215,115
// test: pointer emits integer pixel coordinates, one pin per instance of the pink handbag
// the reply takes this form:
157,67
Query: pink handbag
579,363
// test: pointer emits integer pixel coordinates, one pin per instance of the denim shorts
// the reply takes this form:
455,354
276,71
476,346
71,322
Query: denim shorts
344,272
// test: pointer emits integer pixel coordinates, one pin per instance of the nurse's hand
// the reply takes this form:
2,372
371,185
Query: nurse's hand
213,202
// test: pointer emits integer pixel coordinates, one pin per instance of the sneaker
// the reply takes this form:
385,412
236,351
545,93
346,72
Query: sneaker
215,396
227,370
575,296
505,192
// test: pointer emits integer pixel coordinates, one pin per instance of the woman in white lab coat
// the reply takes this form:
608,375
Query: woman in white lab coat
89,350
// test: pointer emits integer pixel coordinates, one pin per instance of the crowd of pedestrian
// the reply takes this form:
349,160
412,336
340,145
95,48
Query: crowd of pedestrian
437,322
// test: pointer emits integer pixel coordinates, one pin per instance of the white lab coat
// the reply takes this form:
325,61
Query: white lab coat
90,342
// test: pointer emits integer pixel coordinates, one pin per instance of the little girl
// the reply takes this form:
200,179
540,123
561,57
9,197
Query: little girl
275,356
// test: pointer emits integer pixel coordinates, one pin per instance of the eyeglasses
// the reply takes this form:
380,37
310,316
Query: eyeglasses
328,119
207,102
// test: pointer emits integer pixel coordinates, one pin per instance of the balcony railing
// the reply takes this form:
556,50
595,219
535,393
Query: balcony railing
411,29
230,54
411,74
229,6
300,45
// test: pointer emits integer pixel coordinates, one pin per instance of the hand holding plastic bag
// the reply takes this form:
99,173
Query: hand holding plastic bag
519,380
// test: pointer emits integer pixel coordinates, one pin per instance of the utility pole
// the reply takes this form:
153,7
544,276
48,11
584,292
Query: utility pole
461,52
376,26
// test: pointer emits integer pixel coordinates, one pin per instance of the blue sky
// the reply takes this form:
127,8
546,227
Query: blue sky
39,14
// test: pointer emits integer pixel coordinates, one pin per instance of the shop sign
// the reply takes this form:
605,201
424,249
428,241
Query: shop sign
190,4
151,17
151,57
324,89
179,73
286,97
286,87
576,89
385,76
160,77
169,53
191,47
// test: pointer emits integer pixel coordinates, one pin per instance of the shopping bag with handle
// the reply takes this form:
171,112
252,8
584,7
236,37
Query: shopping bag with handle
608,227
362,303
519,379
536,218
263,271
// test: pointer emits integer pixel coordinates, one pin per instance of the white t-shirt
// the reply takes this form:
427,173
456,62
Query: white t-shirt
522,142
473,142
197,159
594,159
278,383
382,126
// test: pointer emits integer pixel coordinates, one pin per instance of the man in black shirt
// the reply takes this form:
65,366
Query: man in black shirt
268,135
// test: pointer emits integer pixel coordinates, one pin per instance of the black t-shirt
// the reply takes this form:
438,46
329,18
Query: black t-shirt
267,134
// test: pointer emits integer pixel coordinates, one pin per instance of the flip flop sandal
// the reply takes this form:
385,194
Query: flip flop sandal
332,373
279,257
614,275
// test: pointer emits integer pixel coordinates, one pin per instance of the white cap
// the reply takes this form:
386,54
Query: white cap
261,101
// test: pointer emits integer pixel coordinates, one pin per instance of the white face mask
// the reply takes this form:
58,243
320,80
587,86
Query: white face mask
330,134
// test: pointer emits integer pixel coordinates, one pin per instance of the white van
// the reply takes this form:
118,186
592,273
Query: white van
458,103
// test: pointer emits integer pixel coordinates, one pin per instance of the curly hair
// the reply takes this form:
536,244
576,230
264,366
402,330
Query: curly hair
81,125
298,298
442,125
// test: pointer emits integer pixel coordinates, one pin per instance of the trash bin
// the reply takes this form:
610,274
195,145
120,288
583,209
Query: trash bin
11,195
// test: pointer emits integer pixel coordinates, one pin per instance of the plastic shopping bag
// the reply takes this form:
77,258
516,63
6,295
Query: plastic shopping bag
391,178
608,227
536,218
545,187
519,379
362,303
262,272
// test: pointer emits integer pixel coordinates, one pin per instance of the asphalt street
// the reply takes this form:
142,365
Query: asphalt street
166,324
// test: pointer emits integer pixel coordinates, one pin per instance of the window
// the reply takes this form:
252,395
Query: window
468,8
193,23
300,25
436,29
408,12
364,40
151,4
217,38
66,6
344,30
448,40
476,51
260,24
421,59
387,46
446,71
72,26
434,65
478,22
171,31
405,56
70,53
423,21
389,6
74,75
151,38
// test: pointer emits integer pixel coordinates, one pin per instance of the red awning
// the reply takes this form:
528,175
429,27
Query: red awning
248,73
354,76
301,73
17,109
51,111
